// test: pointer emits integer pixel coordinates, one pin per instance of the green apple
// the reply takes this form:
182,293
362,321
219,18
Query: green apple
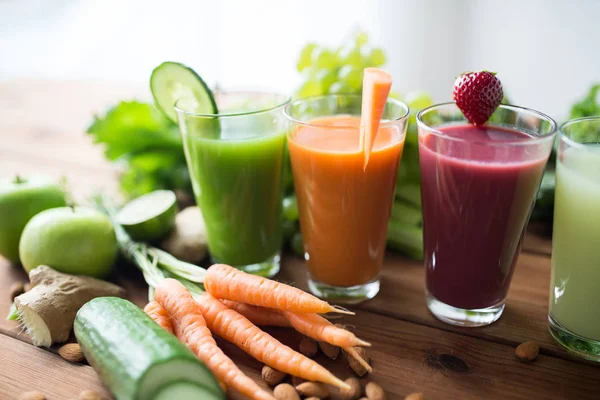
74,240
20,200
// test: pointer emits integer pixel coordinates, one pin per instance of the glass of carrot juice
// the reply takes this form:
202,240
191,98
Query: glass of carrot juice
344,206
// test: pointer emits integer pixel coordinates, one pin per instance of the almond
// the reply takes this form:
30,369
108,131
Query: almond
89,395
356,366
329,350
314,389
415,396
32,396
271,376
354,392
308,347
71,352
527,351
285,391
374,391
296,380
16,289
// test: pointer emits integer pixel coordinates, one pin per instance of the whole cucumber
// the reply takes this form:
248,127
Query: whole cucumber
137,359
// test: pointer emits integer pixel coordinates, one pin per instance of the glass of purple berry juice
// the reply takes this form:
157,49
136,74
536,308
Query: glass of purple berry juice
479,185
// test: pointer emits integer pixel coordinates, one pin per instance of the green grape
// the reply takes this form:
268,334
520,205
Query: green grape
352,76
377,57
290,208
326,77
361,39
323,58
310,88
349,55
305,56
341,87
310,73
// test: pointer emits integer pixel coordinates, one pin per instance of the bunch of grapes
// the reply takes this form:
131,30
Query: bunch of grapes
325,70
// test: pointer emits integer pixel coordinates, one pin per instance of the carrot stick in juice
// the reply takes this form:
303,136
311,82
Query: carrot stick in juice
376,88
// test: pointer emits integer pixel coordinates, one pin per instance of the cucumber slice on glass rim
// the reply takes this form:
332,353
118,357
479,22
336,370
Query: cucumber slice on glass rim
149,217
173,81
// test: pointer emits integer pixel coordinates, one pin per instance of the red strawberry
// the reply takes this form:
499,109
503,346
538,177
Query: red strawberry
477,94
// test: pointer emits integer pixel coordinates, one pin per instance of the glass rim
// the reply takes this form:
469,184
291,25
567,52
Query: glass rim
566,124
532,140
285,101
355,95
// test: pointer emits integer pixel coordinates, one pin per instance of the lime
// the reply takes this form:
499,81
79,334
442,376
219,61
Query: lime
20,200
149,217
79,241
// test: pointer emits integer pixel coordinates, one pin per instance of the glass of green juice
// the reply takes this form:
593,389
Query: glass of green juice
574,315
235,160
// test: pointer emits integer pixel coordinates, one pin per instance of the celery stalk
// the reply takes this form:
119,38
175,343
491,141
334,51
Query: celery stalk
406,238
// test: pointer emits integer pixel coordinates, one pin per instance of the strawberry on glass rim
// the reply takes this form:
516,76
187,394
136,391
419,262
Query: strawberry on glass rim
477,94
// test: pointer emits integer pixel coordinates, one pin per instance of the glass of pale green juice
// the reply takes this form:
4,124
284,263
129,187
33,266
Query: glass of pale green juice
235,160
575,281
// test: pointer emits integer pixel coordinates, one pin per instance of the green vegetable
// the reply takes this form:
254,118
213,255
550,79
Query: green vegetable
406,238
21,199
136,358
172,81
154,263
74,240
588,106
148,144
13,314
149,217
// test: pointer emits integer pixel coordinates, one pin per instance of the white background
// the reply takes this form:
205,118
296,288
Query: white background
547,53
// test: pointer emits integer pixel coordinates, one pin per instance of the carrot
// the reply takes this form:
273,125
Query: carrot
376,88
318,328
225,282
190,327
237,329
159,315
259,316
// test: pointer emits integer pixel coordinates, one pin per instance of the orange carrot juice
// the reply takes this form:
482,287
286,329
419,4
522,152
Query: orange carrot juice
344,207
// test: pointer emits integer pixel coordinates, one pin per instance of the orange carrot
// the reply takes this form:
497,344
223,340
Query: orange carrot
190,327
318,328
225,282
237,329
376,88
159,315
259,316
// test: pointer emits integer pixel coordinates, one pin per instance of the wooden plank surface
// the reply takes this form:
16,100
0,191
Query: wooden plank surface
41,126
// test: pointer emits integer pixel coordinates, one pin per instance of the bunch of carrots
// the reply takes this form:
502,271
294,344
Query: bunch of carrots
234,305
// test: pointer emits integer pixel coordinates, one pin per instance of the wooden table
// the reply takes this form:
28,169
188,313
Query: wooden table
41,130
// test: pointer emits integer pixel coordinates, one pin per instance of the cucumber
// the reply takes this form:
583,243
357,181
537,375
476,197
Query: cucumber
135,358
172,81
149,217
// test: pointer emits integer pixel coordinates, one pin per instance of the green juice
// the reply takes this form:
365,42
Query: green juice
575,279
238,185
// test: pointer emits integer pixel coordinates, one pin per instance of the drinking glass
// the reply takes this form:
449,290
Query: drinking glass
344,206
235,159
574,315
478,188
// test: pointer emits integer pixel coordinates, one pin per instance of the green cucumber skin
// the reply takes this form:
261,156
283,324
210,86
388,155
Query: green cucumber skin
156,75
122,343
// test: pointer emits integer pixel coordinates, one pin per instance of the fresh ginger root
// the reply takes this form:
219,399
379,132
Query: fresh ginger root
187,241
48,310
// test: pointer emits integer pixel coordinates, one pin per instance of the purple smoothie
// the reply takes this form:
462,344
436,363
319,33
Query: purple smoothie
478,192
